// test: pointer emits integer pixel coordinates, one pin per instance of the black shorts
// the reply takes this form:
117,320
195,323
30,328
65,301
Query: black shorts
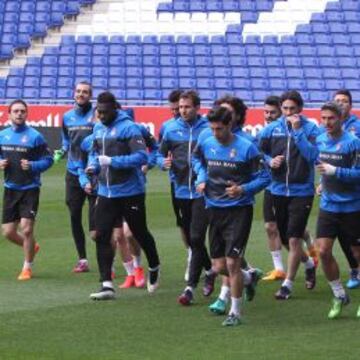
229,231
344,226
75,197
291,214
18,204
176,207
268,207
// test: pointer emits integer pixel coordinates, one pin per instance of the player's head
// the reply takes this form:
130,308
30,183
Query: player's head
18,111
272,108
330,116
221,121
189,105
82,93
106,107
344,99
236,106
173,99
291,103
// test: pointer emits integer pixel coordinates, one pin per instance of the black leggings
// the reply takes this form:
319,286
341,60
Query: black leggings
132,209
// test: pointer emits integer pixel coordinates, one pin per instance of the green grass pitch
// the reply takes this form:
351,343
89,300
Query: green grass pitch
51,317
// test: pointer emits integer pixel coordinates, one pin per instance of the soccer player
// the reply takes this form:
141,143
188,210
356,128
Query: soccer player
272,111
339,167
238,110
24,155
350,123
77,125
119,154
173,100
229,175
176,148
289,144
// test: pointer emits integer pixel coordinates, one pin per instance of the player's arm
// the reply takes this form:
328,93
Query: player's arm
164,156
43,156
306,143
260,175
137,156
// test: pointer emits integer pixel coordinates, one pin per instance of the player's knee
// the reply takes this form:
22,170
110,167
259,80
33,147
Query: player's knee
7,232
27,231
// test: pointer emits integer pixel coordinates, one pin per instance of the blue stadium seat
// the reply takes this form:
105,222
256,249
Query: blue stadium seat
151,60
14,81
116,49
211,71
315,84
326,51
341,39
31,93
258,72
49,71
203,61
240,72
47,93
296,73
273,61
334,84
292,61
239,83
207,95
100,49
344,50
277,73
347,62
331,73
150,50
313,73
64,93
134,83
31,81
117,71
169,71
218,49
203,50
99,82
310,61
353,84
132,60
120,94
115,60
348,73
318,96
169,83
187,83
185,61
117,82
205,83
13,93
259,95
63,81
328,62
152,83
277,84
272,50
243,94
306,50
196,6
152,94
259,84
289,50
48,81
134,94
297,84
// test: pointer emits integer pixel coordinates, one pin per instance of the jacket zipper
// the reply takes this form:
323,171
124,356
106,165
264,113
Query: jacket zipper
107,168
189,161
287,162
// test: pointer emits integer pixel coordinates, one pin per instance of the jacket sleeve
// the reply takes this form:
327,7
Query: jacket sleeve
199,164
43,156
65,141
137,156
260,177
164,148
351,175
306,143
152,146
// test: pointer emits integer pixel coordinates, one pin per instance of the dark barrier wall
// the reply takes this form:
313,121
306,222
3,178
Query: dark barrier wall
52,136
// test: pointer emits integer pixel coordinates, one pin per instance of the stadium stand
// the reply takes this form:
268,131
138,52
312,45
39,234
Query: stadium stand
257,53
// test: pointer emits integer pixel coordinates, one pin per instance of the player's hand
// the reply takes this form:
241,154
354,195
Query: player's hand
318,190
3,164
144,169
104,160
88,188
168,161
326,169
25,164
58,155
295,121
234,190
201,188
90,170
276,162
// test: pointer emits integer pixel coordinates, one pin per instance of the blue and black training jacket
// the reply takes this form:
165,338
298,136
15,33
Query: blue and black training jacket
24,142
77,125
180,138
219,166
123,142
340,192
295,177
